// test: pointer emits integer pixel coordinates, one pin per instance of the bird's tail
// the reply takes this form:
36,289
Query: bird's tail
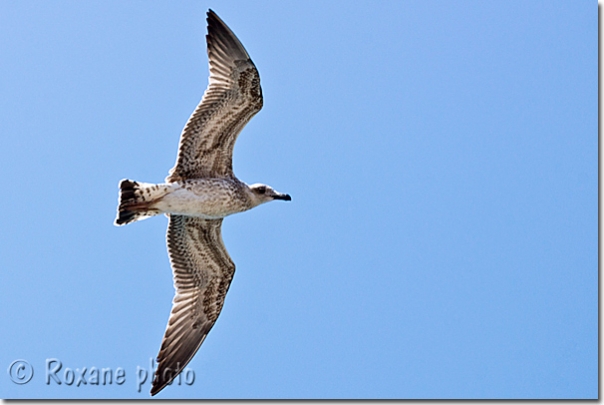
136,200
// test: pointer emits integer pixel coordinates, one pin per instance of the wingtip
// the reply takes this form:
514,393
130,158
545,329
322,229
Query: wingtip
159,384
155,389
221,36
212,17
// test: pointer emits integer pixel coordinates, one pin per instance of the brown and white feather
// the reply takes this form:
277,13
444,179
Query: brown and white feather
203,271
232,98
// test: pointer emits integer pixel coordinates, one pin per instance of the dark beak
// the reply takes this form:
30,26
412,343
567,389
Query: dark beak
284,197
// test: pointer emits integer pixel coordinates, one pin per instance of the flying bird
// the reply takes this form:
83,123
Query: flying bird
198,193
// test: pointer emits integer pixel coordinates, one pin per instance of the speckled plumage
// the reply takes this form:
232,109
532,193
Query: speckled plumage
199,192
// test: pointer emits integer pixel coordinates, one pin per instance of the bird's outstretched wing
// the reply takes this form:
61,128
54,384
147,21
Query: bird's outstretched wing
232,98
203,271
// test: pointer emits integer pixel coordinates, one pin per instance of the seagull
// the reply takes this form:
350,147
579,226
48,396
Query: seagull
198,193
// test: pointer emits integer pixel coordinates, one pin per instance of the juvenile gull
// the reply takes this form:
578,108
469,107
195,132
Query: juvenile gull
199,192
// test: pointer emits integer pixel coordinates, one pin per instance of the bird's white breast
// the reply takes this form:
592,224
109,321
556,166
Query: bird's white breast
204,198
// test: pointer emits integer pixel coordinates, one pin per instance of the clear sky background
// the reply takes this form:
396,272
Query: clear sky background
442,161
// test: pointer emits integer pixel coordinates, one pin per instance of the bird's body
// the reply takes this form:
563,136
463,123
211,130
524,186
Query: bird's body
198,193
207,198
210,198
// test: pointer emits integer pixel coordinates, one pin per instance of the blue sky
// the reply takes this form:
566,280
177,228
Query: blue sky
442,161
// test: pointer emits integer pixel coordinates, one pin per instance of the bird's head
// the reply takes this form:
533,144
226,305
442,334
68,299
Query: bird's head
261,193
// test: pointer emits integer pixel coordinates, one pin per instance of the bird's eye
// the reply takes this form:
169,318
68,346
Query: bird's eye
261,190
